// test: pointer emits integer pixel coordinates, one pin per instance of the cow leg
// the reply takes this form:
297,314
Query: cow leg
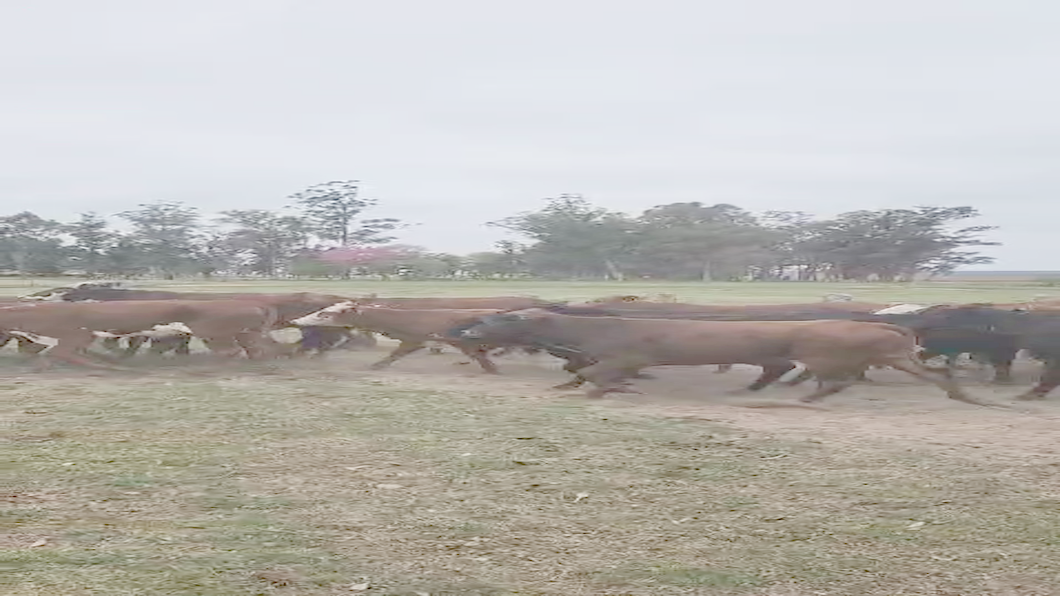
578,380
71,349
315,340
770,373
1049,380
481,356
112,344
1002,363
945,382
404,349
226,347
365,339
574,383
178,344
132,346
606,377
28,346
258,344
829,383
801,378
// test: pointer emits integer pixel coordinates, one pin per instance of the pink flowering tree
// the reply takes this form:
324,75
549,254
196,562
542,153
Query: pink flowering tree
380,260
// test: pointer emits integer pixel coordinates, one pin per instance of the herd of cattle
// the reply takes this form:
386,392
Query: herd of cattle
607,342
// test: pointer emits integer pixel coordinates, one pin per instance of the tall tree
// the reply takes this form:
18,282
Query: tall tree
167,235
693,240
897,244
507,261
30,245
333,211
92,241
265,240
574,238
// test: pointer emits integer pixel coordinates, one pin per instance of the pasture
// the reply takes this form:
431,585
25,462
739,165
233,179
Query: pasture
319,477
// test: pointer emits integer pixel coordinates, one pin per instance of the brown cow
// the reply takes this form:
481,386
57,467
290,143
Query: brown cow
834,350
456,302
414,328
228,327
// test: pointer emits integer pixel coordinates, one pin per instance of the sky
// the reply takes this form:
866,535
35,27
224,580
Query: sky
460,112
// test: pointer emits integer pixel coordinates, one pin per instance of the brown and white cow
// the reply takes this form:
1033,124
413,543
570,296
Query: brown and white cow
454,302
228,327
413,328
288,306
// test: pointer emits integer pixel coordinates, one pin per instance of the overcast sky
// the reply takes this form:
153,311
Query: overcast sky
457,112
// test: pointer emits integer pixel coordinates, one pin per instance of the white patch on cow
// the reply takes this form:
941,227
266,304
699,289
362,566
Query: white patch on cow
49,297
156,332
51,342
324,316
166,330
791,374
901,309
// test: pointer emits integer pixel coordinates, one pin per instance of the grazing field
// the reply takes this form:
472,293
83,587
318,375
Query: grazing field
318,477
954,291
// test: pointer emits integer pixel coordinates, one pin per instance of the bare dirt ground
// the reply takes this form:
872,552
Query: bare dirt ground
894,408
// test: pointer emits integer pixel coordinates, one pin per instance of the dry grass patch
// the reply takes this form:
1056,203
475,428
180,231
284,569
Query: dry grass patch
318,482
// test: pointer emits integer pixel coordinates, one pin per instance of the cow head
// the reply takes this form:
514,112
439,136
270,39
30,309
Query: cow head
336,315
516,328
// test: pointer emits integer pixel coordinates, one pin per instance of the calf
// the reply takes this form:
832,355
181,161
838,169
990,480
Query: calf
414,329
834,351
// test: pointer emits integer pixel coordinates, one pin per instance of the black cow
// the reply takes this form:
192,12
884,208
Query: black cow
1005,331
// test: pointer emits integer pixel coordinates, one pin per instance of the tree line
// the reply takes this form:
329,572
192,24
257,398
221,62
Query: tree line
324,233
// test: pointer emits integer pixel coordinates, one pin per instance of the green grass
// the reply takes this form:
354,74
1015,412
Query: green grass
316,478
941,291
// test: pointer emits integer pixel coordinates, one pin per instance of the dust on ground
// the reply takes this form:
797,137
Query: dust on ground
893,409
